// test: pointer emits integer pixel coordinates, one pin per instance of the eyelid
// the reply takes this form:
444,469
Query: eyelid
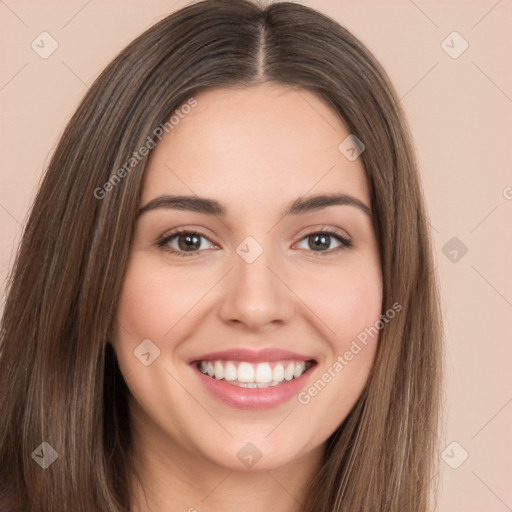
343,238
323,228
167,237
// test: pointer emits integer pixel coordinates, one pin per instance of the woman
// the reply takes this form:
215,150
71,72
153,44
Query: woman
224,297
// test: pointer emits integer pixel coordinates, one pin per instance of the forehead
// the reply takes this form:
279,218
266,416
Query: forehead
269,143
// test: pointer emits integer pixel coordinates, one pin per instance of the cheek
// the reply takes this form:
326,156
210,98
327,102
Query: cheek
153,300
349,303
149,305
358,305
346,300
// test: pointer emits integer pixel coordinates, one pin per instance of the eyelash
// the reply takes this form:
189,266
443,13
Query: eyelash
162,243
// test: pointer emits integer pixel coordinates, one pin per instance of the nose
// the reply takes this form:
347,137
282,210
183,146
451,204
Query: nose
256,295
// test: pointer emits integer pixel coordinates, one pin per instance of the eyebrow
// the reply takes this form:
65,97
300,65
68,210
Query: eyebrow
212,207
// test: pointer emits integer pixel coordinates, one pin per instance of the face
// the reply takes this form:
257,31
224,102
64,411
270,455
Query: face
238,322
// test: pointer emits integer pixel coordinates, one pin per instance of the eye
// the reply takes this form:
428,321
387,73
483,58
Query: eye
320,241
184,242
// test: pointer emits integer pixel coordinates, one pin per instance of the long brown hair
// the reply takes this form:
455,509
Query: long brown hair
59,379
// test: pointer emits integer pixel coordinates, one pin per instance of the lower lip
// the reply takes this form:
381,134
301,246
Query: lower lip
254,398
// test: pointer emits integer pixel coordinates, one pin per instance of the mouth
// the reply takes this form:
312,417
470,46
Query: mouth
253,380
249,375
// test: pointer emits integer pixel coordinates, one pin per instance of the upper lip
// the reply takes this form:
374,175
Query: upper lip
251,356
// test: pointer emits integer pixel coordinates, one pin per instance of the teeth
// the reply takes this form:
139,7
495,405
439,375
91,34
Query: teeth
219,370
299,369
278,373
245,372
263,373
230,372
250,375
289,371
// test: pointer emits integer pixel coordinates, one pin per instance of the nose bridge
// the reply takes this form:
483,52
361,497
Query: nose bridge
256,295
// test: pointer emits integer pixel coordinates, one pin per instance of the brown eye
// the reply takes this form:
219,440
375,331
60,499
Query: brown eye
321,241
189,242
184,243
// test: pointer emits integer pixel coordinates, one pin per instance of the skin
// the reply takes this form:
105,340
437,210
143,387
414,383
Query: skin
255,150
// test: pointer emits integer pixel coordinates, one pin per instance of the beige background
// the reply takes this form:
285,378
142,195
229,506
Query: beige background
460,112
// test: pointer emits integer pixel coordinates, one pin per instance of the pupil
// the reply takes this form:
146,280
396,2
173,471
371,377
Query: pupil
191,241
320,241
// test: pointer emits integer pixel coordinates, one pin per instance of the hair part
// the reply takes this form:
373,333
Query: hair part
60,379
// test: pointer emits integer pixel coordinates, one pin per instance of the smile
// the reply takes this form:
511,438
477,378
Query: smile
253,379
249,375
